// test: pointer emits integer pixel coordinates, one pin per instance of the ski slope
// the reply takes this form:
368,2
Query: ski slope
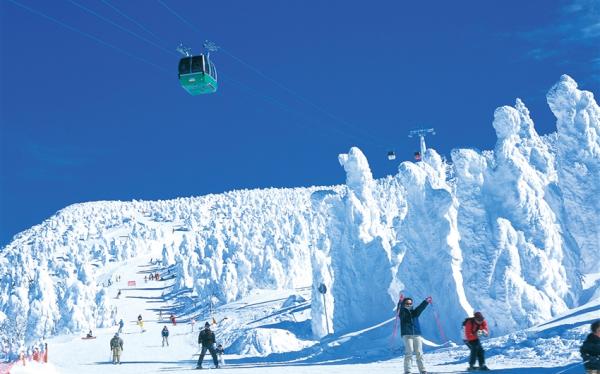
546,348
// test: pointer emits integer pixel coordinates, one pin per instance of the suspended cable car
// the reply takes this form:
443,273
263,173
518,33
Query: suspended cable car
391,155
197,74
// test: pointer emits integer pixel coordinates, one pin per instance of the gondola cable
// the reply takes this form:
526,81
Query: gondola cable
363,136
250,90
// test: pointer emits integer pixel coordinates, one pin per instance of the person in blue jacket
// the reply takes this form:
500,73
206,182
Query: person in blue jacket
411,332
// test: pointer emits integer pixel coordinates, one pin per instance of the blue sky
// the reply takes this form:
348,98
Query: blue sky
91,109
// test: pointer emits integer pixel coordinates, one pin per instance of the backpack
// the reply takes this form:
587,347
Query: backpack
473,329
114,343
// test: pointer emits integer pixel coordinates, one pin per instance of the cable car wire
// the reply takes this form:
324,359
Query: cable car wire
356,136
250,90
282,105
361,135
87,35
121,27
138,24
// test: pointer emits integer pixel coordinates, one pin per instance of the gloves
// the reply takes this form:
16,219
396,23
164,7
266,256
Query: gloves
429,299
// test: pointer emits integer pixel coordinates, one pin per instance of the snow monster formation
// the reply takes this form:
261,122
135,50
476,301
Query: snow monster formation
512,242
360,254
577,150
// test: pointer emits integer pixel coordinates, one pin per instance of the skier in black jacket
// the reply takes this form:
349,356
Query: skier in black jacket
207,339
590,350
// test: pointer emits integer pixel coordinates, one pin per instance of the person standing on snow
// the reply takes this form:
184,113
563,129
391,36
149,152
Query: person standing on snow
116,346
193,323
141,323
590,350
165,336
411,332
207,339
173,321
474,327
121,324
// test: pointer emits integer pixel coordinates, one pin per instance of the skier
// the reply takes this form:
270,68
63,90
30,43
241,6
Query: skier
121,324
141,323
474,327
590,350
172,318
220,352
193,322
207,339
165,336
411,332
116,346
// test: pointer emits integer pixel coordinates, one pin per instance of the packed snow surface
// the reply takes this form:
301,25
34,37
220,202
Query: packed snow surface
512,231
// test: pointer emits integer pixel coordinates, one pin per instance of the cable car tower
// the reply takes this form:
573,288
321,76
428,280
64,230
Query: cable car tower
421,134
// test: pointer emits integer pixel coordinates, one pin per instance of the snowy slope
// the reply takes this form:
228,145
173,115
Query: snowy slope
512,232
270,330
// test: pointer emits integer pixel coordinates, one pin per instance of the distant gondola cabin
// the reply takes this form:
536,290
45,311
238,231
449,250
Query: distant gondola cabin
197,75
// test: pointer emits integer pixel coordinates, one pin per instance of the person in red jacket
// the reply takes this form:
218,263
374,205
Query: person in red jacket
474,327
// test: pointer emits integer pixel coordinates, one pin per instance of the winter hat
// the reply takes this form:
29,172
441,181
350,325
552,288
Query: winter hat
595,326
207,324
478,316
116,335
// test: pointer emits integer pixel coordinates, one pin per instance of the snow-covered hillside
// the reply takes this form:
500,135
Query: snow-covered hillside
271,330
513,232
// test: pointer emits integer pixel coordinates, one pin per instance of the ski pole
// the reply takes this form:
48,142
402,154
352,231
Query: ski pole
437,321
394,332
393,337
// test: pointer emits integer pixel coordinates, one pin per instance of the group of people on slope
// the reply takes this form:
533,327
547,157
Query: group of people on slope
206,338
410,330
474,328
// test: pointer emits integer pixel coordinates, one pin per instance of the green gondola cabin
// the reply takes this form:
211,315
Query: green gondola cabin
197,75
